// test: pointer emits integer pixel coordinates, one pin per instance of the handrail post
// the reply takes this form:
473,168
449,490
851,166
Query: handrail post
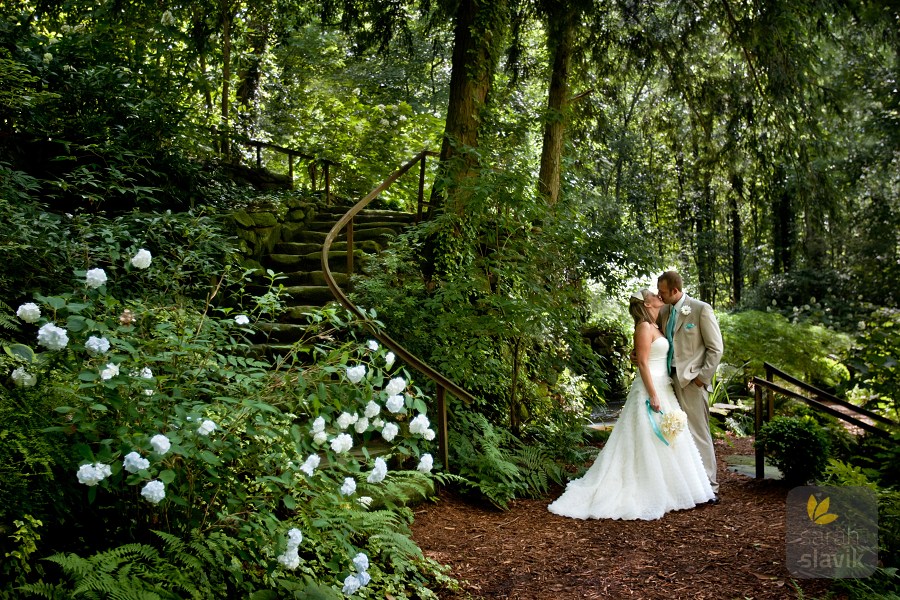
421,189
327,184
258,156
349,250
443,445
291,167
757,425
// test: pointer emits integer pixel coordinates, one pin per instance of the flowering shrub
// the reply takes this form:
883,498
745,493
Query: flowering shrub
171,424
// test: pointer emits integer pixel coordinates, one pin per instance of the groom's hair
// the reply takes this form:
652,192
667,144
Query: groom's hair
673,280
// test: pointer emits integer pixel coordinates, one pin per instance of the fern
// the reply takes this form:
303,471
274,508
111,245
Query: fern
136,572
7,321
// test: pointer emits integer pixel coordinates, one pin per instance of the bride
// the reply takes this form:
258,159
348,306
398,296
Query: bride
647,467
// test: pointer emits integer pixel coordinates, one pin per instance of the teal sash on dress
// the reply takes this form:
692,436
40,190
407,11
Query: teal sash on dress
654,424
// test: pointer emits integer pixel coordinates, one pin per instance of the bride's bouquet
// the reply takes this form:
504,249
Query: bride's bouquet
672,423
669,424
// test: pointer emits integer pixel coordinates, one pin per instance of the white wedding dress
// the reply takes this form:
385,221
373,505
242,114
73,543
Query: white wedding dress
636,475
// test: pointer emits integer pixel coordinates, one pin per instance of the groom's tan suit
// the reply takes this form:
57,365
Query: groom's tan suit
698,346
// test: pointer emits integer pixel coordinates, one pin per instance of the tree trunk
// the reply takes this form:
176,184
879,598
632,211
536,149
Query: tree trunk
782,224
226,74
472,70
561,36
737,240
477,39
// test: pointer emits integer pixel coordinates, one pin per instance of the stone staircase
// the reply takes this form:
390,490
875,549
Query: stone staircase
298,257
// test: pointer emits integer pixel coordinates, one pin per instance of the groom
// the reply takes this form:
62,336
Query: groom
695,349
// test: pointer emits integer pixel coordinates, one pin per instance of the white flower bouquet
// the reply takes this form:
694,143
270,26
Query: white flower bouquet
672,423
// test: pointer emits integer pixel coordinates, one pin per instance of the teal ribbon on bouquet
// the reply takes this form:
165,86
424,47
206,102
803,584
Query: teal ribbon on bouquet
654,424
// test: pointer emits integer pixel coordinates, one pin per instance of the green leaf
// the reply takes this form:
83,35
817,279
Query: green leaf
63,409
289,502
20,351
99,407
210,458
75,323
167,476
88,376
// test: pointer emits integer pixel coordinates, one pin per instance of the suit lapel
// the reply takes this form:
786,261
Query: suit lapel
681,319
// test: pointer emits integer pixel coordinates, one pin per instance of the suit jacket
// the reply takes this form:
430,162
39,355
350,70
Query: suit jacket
697,341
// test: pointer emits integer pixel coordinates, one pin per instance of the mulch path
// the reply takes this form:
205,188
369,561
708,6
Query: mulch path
731,550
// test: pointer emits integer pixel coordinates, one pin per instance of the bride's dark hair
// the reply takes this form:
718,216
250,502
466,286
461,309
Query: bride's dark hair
637,309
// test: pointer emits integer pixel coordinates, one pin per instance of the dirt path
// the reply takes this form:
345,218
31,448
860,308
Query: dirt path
731,550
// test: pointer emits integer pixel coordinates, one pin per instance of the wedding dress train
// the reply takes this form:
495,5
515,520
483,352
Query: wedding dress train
636,475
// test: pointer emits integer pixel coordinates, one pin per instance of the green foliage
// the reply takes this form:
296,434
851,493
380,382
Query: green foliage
874,360
885,582
496,464
753,337
797,446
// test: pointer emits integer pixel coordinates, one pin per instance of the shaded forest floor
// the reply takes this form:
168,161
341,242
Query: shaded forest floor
731,550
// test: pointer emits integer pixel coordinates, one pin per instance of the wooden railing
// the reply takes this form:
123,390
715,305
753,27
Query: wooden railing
313,165
818,399
441,382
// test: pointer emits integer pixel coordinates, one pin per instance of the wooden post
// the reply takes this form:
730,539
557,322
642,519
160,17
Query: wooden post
327,185
291,167
757,425
443,446
259,156
421,190
349,251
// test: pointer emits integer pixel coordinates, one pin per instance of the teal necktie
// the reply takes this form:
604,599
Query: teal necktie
670,331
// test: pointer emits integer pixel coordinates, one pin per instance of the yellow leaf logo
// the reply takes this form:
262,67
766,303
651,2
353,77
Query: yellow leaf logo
818,511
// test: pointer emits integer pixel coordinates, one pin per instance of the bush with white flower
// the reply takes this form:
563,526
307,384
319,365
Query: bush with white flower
171,424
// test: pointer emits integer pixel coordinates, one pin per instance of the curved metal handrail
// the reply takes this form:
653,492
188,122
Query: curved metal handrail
442,382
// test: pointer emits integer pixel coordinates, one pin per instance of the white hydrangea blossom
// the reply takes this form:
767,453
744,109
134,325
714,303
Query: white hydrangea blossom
242,320
395,403
310,464
206,427
134,462
291,558
351,585
154,491
96,345
29,312
365,501
146,373
426,463
342,443
23,378
160,443
419,424
361,425
53,337
395,386
389,431
94,278
142,259
364,578
355,374
379,472
428,434
111,370
91,475
372,345
377,423
320,437
361,562
372,409
345,420
348,487
318,425
389,360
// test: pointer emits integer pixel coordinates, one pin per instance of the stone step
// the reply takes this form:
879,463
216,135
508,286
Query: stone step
337,261
394,226
303,248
